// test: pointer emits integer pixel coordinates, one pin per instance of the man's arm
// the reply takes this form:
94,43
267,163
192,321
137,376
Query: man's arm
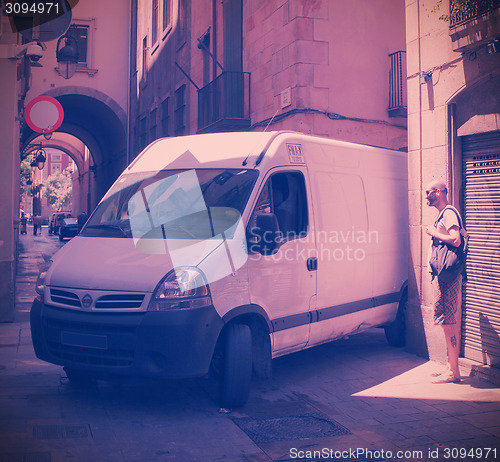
452,238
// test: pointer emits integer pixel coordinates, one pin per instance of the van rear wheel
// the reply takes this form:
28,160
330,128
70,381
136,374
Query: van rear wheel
395,333
236,373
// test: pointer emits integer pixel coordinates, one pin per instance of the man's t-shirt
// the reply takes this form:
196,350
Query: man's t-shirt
448,220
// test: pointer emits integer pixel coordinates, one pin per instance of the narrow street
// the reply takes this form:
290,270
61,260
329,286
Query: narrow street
33,252
354,399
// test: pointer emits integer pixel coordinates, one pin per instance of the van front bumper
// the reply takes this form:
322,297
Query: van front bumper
169,344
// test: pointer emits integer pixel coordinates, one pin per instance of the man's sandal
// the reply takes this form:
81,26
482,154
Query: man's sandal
447,377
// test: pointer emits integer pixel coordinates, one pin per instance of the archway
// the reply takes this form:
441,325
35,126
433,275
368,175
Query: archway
85,195
100,124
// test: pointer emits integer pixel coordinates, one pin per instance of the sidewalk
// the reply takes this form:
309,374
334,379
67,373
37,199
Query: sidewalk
355,399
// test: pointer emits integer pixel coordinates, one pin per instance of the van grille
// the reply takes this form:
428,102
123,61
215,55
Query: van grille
120,301
110,301
64,297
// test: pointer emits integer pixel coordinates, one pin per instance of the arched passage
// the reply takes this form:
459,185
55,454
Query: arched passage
100,123
68,144
84,186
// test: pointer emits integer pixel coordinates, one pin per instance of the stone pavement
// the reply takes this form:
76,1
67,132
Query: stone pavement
354,399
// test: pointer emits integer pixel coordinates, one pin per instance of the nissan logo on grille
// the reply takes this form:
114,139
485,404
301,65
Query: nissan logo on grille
87,301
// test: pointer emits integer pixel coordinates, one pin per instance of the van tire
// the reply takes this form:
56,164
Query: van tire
395,333
236,373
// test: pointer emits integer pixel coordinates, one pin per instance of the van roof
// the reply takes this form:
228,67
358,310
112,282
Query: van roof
207,150
216,150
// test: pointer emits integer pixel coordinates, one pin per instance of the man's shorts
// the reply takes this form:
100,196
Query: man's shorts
446,298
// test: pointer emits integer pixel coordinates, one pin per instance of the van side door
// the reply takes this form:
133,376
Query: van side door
345,246
284,283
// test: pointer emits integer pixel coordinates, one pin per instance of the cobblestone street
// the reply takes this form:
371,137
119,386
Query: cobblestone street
354,399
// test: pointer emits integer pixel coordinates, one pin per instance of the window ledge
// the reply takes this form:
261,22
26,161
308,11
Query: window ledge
90,72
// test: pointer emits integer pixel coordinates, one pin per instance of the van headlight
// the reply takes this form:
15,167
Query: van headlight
181,288
40,282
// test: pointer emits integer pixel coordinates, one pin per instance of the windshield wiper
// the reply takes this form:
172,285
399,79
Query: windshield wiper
104,226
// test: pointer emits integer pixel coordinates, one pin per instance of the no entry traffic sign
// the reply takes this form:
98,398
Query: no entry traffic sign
44,114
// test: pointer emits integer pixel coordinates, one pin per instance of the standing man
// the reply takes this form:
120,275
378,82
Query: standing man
446,294
36,224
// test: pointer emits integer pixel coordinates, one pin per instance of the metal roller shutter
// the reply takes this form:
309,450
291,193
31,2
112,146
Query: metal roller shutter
481,292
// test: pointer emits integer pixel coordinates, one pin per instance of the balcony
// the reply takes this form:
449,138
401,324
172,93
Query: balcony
462,11
398,106
473,23
224,104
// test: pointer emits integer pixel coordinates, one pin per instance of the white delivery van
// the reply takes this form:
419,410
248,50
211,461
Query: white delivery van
219,252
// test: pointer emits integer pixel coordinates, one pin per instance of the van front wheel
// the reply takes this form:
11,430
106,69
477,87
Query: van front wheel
236,373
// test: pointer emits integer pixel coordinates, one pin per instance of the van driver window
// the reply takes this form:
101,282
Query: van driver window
284,194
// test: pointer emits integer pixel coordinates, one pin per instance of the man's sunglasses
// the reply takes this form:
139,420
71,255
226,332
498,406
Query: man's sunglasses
430,191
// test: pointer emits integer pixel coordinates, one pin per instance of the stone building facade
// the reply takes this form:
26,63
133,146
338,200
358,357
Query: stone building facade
454,136
315,66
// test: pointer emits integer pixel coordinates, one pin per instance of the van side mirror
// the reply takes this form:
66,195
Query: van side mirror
265,237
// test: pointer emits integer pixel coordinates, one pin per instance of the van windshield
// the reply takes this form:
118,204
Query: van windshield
173,204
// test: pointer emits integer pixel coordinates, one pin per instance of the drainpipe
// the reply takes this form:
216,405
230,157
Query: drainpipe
131,49
214,41
421,138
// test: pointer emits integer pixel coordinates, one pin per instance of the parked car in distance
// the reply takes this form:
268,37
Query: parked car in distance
68,228
56,221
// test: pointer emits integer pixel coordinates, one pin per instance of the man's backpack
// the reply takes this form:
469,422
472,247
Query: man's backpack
447,261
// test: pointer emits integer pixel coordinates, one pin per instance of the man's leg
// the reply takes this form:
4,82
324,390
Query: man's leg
451,335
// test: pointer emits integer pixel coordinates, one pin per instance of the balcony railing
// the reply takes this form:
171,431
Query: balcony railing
224,103
398,106
462,11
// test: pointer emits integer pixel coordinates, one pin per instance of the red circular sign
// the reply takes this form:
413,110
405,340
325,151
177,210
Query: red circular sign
44,114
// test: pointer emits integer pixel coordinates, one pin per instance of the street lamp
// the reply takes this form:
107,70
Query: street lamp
40,159
39,156
67,56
